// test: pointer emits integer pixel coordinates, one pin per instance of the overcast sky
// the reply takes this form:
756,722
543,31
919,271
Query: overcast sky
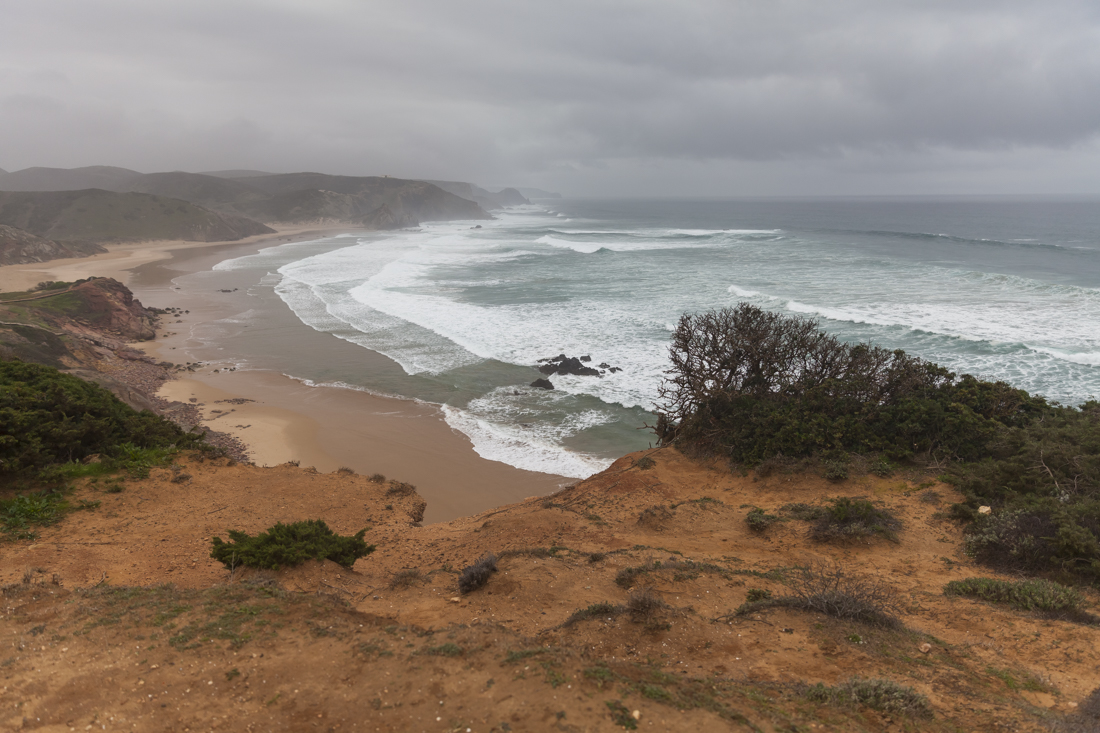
730,97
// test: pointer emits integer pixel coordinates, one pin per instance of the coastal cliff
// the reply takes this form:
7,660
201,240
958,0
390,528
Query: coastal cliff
612,602
667,591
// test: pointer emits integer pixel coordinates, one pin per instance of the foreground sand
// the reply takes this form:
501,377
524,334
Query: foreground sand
389,645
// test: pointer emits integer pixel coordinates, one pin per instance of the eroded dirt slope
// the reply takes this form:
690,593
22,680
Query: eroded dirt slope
392,645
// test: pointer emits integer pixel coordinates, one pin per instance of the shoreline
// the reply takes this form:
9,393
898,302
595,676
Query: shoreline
282,419
120,260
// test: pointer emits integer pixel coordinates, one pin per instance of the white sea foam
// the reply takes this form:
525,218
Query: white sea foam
447,297
504,429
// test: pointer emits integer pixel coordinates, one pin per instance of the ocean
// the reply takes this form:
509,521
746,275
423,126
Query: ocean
1002,288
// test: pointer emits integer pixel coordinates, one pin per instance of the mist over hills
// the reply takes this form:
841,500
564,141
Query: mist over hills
486,199
20,247
96,215
112,204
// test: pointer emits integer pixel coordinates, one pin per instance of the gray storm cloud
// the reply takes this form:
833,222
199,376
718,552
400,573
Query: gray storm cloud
630,97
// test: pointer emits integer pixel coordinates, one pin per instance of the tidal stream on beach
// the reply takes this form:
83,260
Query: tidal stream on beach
1000,288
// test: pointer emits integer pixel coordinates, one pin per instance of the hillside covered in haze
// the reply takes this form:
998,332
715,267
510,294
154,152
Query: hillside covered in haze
69,210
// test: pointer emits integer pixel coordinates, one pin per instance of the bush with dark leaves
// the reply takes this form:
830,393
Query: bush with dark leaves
476,575
285,545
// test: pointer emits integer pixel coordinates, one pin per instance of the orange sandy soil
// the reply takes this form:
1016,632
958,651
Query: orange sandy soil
94,639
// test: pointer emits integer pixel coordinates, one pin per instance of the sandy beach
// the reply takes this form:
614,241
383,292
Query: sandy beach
120,260
282,419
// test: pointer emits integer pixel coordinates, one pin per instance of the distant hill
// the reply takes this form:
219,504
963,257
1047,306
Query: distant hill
210,192
308,197
67,179
18,247
236,173
538,193
94,215
484,198
237,196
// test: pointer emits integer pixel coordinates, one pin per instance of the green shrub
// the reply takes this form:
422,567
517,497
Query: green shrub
19,514
755,387
290,544
879,694
848,519
1045,596
836,470
881,467
759,520
48,418
755,595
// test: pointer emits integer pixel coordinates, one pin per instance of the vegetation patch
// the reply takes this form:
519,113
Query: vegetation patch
803,512
476,575
406,579
828,589
756,386
450,649
645,606
655,517
1043,596
852,519
883,695
49,418
759,520
290,544
679,569
604,609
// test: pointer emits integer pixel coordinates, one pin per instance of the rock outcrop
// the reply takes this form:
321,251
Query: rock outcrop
562,364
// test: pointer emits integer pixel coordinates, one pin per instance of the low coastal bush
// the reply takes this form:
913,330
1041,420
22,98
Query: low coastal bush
1044,596
20,514
476,575
48,418
852,519
828,589
766,390
285,545
759,520
595,610
883,695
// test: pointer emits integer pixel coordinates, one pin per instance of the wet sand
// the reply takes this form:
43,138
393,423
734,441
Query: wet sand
321,426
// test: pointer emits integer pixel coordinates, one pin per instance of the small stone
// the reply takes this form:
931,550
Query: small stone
984,510
637,715
456,599
925,648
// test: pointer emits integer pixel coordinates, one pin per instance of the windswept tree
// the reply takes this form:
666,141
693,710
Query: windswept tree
753,383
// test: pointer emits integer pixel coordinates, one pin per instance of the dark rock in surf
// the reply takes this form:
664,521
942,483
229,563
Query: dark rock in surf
542,384
562,364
